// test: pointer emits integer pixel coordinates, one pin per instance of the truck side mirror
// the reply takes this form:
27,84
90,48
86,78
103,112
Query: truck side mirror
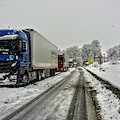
24,46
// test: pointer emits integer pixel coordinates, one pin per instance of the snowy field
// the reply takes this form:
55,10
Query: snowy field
13,98
109,103
109,72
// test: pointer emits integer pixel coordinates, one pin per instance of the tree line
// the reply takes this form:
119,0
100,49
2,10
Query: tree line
113,54
81,55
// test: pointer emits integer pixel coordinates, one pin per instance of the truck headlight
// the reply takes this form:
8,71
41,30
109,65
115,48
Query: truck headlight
16,57
14,64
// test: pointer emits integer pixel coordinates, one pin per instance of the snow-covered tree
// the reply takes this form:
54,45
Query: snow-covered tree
86,52
91,50
73,52
96,49
113,54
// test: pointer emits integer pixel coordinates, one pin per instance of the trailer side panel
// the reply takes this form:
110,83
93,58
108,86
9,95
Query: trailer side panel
44,53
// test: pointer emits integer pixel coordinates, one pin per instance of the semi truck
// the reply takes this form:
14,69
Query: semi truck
63,62
26,55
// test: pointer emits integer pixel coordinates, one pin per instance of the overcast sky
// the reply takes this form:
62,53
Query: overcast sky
66,22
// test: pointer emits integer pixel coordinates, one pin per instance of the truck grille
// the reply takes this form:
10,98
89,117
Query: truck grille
5,66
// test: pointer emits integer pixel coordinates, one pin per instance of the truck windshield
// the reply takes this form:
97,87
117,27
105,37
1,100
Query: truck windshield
60,59
10,46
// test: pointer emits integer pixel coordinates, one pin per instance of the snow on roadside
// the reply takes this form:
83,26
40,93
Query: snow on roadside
12,98
110,72
109,103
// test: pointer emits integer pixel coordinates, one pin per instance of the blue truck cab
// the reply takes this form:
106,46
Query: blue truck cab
15,56
27,55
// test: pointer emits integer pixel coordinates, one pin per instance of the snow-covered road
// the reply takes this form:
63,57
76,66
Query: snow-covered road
13,98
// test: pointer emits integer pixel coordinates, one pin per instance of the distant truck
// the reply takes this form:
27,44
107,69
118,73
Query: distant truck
27,55
71,63
63,62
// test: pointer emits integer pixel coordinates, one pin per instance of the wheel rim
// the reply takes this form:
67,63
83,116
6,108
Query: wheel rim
25,79
39,77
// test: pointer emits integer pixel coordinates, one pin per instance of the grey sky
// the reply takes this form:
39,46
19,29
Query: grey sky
66,22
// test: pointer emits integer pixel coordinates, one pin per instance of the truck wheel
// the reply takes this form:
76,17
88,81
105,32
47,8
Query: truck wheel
39,75
52,72
25,80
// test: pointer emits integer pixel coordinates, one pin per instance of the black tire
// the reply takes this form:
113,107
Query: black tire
39,76
25,79
52,72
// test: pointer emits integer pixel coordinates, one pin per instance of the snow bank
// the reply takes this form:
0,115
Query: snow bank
109,72
109,103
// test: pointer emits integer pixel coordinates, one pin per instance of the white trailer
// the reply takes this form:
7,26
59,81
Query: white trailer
44,54
66,61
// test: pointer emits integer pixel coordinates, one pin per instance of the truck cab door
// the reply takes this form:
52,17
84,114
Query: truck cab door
24,62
